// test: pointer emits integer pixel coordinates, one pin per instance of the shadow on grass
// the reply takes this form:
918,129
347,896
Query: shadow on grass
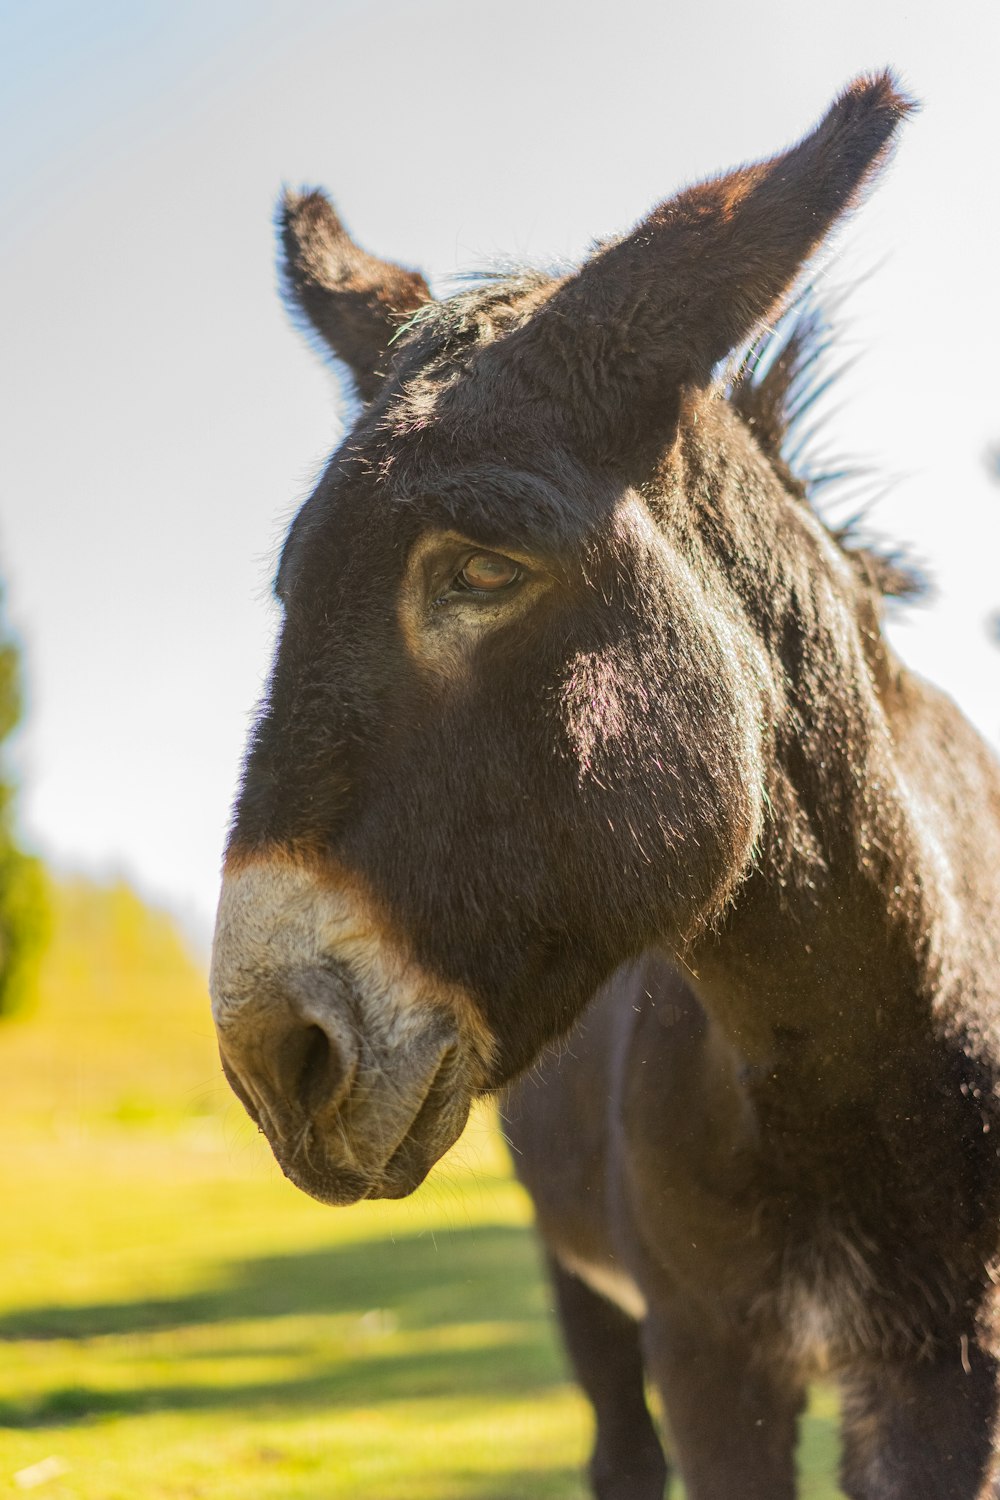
486,1274
440,1287
457,1276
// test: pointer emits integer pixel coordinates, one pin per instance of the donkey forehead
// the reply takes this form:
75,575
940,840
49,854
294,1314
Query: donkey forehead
554,514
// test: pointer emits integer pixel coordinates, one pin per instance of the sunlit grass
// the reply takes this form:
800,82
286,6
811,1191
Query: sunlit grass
193,1327
178,1322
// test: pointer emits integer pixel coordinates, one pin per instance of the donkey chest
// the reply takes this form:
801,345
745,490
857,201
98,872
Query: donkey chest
849,1231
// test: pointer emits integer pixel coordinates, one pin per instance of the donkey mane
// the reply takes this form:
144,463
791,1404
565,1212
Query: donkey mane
775,390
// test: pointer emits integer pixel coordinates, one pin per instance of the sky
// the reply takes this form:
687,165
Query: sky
162,421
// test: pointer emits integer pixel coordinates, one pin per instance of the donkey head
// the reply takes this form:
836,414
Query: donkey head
517,724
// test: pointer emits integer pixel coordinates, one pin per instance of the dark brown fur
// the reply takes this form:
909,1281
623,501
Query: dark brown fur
692,763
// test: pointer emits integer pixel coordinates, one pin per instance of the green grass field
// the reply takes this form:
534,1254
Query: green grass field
179,1322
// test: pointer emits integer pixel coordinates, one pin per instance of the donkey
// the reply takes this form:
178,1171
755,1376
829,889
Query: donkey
579,714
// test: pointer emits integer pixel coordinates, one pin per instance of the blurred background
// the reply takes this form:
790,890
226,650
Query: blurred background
180,1321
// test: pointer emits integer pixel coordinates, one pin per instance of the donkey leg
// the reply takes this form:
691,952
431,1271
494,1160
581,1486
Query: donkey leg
923,1431
603,1344
732,1412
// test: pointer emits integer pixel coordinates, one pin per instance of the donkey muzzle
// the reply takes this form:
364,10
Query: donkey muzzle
348,1057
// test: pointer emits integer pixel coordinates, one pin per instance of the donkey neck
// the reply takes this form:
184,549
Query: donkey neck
827,965
827,957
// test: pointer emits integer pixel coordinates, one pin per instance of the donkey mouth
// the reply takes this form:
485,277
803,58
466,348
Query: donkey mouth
323,1168
380,1141
438,1124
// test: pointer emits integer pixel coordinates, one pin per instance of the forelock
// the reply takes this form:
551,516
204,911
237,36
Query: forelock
432,349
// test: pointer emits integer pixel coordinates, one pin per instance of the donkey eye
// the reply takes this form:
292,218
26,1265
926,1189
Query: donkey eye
488,573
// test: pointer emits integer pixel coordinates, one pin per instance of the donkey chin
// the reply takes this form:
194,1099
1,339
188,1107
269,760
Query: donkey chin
358,1067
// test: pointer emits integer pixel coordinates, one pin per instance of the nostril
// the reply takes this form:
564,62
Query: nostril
310,1069
305,1067
293,1054
316,1076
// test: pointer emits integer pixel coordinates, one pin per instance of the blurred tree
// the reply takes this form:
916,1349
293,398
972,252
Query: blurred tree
24,912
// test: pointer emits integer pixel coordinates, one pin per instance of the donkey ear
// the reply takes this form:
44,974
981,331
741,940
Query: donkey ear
655,312
352,300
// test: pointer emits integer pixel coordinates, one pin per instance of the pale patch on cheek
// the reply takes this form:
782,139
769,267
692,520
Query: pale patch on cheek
602,708
278,915
440,635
